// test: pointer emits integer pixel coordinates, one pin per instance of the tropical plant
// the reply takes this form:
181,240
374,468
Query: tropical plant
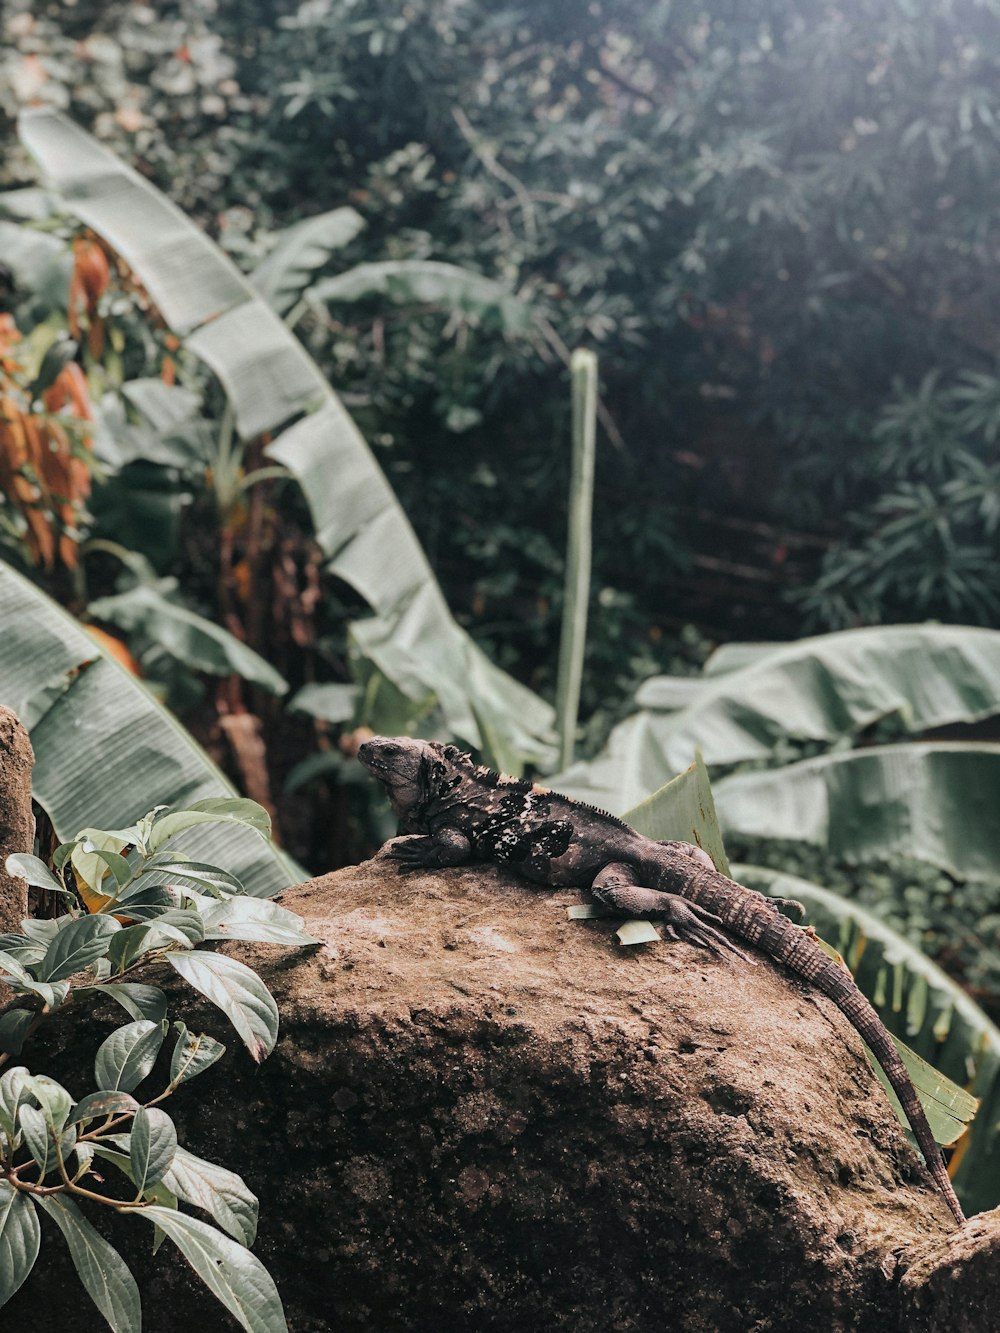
270,381
902,824
774,228
105,749
133,900
768,703
944,1038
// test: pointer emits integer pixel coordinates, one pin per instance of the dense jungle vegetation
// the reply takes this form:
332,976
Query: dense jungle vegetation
774,222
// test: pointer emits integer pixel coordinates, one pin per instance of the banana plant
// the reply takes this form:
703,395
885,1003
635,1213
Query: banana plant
105,751
273,386
946,1041
754,705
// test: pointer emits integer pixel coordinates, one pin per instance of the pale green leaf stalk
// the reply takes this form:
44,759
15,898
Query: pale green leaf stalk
578,551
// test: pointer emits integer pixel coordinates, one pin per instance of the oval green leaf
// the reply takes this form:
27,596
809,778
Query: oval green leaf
20,1237
76,946
99,1266
126,1057
221,1193
234,1276
193,1053
239,993
152,1145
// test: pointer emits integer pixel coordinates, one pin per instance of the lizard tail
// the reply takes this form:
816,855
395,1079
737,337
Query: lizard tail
867,1022
778,938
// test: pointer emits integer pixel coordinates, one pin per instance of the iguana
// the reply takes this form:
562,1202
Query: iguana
452,811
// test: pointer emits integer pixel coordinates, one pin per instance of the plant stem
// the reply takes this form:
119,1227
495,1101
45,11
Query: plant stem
578,551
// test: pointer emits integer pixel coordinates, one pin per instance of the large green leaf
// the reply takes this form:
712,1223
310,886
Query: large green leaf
236,1277
934,802
920,1005
105,751
221,1193
198,643
152,1145
271,380
125,1058
819,689
100,1267
239,993
429,282
683,811
299,252
20,1237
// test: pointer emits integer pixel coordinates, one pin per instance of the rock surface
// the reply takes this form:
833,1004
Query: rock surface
483,1116
17,824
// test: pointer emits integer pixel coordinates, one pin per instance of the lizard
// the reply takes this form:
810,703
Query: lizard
453,812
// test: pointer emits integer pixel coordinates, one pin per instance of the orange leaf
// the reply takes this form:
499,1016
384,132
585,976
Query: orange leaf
114,648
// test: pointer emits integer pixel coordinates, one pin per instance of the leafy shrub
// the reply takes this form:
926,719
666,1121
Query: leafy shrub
133,901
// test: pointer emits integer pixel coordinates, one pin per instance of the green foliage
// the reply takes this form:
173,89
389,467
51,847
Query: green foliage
927,545
931,801
881,823
774,223
270,381
143,912
920,1004
67,691
777,704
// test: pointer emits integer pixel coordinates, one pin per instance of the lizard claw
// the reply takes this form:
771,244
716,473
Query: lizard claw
697,925
681,918
409,850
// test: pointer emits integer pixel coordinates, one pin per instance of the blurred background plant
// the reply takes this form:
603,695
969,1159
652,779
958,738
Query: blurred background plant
775,223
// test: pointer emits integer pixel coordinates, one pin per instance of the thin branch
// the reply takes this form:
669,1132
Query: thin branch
488,158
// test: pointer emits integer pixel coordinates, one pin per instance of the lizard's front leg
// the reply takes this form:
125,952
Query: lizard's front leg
615,886
430,851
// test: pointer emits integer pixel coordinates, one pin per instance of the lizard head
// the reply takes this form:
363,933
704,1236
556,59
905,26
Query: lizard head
402,765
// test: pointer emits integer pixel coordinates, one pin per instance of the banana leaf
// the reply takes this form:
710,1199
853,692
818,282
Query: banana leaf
930,801
199,643
683,811
669,693
734,656
821,689
921,1006
271,381
105,751
429,282
299,251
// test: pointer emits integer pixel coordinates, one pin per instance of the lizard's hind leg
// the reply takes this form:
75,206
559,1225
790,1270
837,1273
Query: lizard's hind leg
702,857
615,887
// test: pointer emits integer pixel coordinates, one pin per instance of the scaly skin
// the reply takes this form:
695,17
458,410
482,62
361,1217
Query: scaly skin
453,812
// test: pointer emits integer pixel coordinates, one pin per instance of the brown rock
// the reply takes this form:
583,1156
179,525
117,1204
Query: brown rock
483,1116
17,824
